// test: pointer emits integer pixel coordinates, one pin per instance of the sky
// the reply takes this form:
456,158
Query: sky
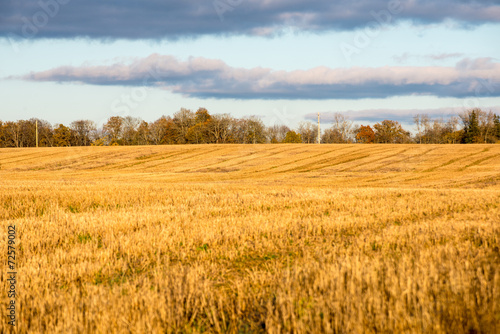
282,61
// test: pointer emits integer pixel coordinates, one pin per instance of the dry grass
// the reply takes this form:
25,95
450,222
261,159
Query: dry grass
266,238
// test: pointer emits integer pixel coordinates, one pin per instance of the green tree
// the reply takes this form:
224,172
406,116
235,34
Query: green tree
202,116
496,130
62,136
389,131
471,127
292,137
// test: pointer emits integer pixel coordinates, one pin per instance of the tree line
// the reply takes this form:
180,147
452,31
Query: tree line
200,127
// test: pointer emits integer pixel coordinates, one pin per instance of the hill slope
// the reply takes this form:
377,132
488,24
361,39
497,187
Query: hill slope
348,165
253,238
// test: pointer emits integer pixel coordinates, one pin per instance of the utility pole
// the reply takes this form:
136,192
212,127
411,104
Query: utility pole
319,131
36,135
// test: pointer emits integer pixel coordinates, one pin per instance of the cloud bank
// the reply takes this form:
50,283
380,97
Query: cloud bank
159,19
212,78
403,115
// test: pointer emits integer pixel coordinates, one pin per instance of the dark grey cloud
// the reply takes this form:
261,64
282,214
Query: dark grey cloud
212,78
159,19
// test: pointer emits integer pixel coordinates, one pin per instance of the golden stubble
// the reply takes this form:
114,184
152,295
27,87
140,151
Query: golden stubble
264,238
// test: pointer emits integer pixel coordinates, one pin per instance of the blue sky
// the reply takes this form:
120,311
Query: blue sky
283,61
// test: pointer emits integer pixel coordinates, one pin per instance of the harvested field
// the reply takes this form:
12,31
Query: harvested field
254,238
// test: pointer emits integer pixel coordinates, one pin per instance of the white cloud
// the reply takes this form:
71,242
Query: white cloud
201,77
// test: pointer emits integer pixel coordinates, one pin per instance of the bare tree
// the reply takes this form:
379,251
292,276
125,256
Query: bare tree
253,130
219,128
435,131
277,133
83,130
27,134
343,127
452,135
421,121
308,132
183,120
12,133
143,133
45,133
129,129
158,129
486,126
331,136
113,128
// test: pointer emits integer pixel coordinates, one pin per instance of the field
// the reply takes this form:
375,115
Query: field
253,238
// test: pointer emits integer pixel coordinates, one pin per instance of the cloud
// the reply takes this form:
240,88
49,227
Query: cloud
443,56
212,78
402,115
436,57
160,19
402,58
